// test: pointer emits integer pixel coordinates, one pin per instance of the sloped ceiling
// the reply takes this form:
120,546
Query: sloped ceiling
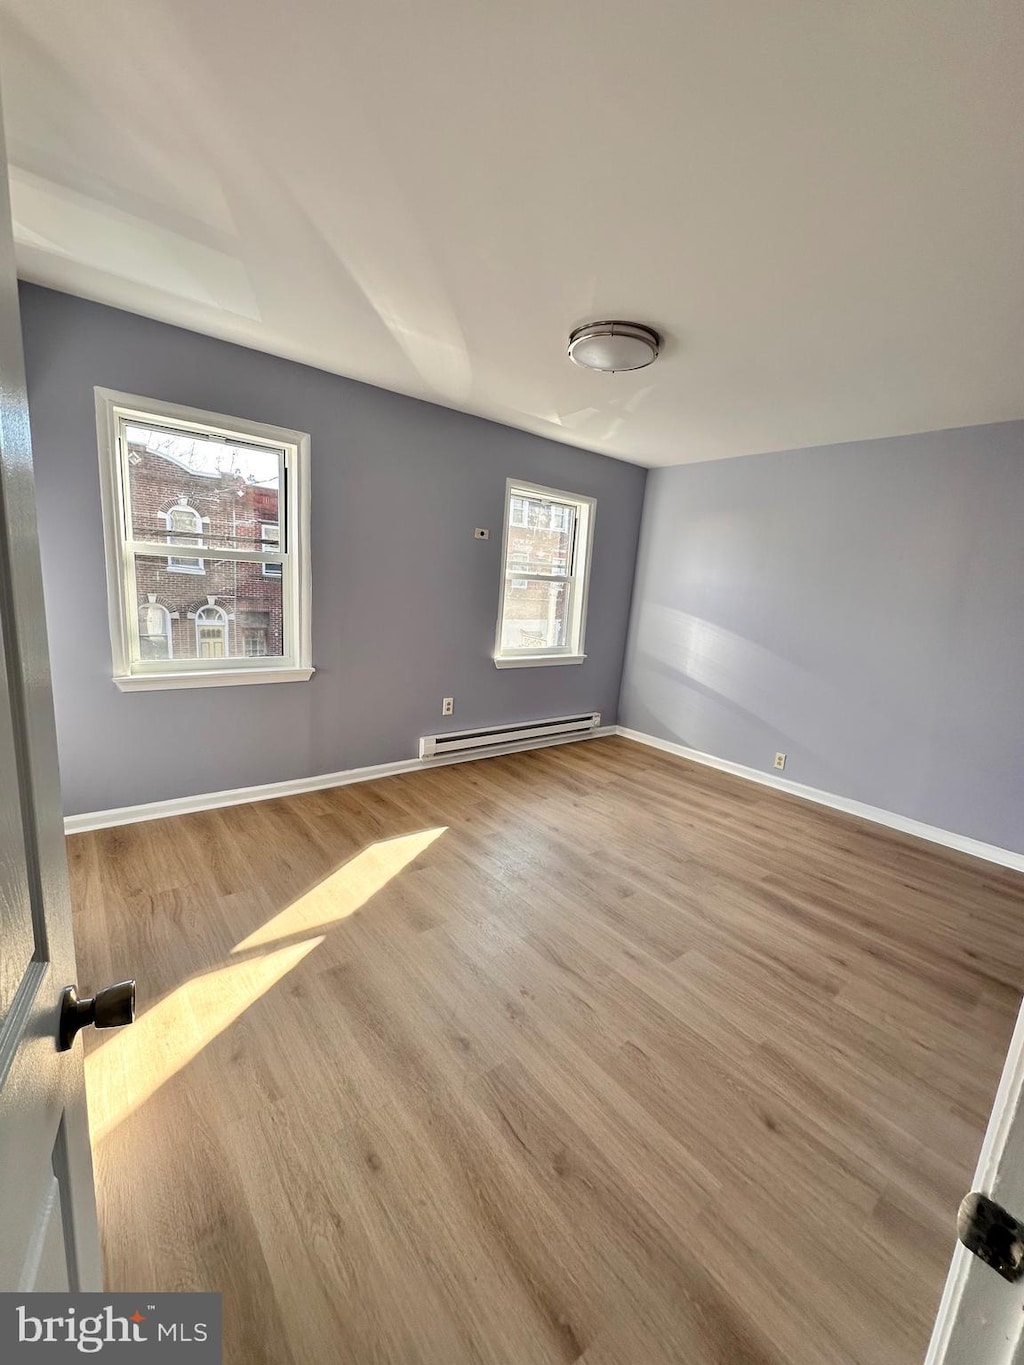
820,206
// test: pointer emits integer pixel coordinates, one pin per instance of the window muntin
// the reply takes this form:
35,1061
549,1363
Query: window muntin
173,480
544,579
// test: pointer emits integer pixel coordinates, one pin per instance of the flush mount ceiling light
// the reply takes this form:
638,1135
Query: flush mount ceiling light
614,346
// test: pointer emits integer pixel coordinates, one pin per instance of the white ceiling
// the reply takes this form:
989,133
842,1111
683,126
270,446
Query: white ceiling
820,205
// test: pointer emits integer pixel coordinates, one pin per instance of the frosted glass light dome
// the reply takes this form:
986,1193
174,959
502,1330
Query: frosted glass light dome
612,346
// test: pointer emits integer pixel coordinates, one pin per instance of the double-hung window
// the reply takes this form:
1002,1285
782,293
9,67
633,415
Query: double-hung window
545,569
206,526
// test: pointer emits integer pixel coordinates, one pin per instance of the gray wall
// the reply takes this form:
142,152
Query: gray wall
404,598
858,607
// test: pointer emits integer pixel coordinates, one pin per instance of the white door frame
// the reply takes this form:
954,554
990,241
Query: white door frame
48,1232
981,1315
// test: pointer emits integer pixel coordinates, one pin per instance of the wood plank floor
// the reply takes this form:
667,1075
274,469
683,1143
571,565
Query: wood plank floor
585,1054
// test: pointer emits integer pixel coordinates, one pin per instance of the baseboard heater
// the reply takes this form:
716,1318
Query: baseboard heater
494,736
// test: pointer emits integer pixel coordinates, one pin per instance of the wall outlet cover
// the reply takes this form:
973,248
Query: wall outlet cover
780,760
482,533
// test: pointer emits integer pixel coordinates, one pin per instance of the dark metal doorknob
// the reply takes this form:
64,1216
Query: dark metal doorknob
110,1008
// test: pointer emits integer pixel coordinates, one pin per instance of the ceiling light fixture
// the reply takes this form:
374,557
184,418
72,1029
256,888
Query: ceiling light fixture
612,346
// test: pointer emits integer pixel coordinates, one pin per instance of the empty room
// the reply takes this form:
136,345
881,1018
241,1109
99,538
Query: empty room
511,657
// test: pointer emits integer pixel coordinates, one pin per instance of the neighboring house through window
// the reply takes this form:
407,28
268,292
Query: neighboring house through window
545,571
192,493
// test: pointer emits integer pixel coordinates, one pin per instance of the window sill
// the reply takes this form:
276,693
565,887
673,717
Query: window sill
535,660
234,677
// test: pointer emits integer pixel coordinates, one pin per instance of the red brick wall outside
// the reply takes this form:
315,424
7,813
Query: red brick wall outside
233,512
529,609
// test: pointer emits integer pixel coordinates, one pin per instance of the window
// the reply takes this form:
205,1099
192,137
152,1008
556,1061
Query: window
175,481
255,627
154,630
184,527
254,643
545,567
518,560
270,535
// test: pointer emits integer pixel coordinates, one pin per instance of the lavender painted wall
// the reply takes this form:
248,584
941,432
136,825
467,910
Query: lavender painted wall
858,607
404,598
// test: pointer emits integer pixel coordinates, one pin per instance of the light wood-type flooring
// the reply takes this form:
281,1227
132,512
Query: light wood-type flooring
583,1054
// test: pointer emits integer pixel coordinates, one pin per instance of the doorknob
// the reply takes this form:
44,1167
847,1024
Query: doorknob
109,1008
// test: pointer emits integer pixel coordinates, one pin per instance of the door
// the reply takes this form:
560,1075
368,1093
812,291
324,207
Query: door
48,1237
981,1316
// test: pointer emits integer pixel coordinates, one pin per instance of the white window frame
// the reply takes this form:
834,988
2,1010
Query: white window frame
132,673
577,577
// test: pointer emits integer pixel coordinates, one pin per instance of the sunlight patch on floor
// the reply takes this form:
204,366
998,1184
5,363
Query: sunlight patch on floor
344,891
132,1065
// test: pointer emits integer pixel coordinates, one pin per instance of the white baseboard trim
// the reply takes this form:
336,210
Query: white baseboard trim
185,805
240,796
990,852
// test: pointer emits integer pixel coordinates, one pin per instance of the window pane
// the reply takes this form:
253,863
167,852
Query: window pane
189,491
243,620
536,616
540,535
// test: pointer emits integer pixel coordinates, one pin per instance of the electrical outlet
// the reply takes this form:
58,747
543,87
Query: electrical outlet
447,705
780,760
482,533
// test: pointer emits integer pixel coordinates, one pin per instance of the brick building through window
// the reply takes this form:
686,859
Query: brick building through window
192,605
541,552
